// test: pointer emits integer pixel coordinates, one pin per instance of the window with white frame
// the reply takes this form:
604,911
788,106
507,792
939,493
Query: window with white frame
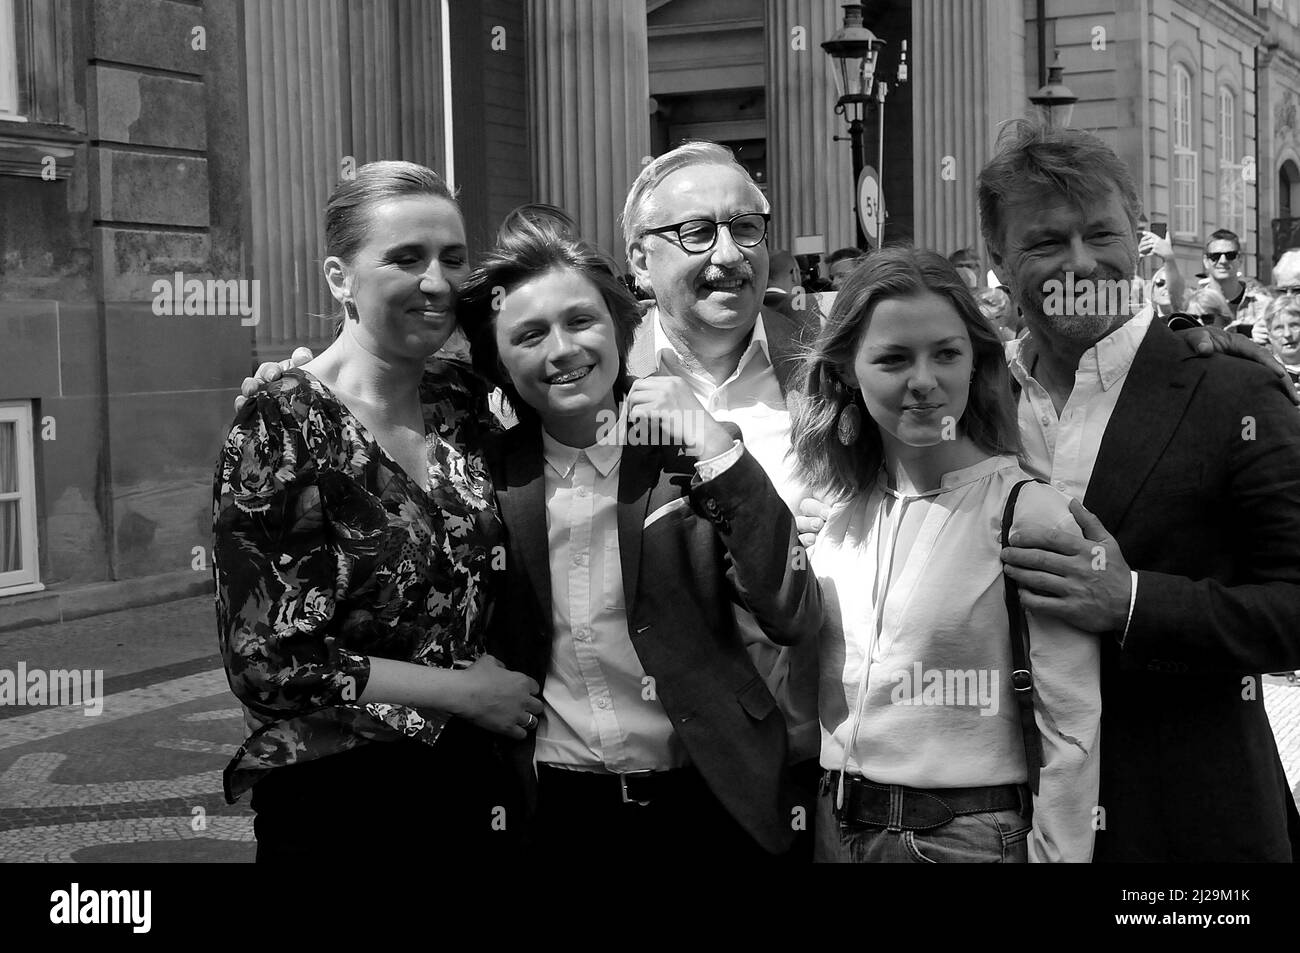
19,569
1183,155
1232,187
8,62
1227,125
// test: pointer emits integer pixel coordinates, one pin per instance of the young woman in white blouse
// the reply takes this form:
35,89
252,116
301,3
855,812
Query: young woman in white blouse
909,424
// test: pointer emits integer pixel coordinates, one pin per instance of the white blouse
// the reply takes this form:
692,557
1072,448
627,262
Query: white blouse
928,702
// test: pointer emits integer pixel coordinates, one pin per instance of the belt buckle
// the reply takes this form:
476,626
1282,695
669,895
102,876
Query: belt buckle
622,783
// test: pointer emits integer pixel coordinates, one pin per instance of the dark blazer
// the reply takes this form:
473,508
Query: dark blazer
1198,478
730,538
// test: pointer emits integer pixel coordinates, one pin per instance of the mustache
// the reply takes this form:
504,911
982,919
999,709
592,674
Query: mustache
713,273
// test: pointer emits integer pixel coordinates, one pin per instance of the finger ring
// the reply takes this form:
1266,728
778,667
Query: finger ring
531,723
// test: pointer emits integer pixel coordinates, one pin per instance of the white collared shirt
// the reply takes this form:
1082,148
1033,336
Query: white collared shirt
1063,450
752,399
598,713
601,712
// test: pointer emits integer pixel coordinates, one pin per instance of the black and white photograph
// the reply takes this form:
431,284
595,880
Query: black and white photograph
659,435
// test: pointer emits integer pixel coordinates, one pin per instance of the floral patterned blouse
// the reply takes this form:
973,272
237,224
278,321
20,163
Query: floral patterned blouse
328,552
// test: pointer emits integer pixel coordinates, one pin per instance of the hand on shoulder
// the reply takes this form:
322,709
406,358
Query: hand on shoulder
1205,342
268,373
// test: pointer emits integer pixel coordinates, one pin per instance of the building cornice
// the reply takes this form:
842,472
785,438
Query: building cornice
1227,17
1275,56
707,26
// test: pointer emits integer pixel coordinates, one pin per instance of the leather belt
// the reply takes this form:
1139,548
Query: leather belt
634,787
897,807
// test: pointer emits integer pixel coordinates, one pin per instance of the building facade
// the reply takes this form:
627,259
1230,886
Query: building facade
164,167
120,143
1278,114
189,146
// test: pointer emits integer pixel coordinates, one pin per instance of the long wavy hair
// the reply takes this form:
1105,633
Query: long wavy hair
826,465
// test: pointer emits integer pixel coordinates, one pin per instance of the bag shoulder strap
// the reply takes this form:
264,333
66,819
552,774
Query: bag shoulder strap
1022,677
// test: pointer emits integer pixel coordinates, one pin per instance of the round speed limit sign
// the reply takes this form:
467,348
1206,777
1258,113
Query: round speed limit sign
871,204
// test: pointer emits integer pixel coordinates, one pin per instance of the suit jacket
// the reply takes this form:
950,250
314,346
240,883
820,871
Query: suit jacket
793,670
705,544
1198,478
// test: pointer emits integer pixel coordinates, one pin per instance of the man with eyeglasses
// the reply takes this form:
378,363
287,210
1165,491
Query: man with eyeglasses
1286,273
1245,296
695,227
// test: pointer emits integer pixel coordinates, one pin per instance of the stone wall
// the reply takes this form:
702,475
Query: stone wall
151,185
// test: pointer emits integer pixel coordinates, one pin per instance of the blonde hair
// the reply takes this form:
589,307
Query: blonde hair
1209,301
1279,307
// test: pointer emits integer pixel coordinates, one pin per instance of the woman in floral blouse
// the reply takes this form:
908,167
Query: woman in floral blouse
355,539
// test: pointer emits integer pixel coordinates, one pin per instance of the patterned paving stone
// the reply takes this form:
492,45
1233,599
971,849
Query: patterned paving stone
221,714
27,783
60,844
213,806
53,722
197,746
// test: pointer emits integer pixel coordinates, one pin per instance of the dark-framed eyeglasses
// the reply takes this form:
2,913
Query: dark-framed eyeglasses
1221,255
700,234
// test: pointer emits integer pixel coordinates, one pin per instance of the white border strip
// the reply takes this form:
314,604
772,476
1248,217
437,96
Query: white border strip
449,144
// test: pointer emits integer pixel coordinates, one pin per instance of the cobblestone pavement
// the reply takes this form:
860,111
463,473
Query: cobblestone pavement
141,782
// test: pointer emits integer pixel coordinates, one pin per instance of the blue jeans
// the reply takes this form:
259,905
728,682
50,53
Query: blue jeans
992,837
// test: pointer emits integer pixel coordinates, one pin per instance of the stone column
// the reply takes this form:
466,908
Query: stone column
165,126
969,79
589,85
810,174
331,86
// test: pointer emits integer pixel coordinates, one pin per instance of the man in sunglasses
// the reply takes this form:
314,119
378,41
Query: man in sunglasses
1245,296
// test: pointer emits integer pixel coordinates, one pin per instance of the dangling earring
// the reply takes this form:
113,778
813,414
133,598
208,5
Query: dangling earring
350,309
849,425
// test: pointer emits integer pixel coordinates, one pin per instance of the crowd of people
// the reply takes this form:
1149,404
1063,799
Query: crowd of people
941,575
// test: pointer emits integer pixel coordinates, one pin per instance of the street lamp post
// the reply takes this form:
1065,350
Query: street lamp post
1055,95
854,50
